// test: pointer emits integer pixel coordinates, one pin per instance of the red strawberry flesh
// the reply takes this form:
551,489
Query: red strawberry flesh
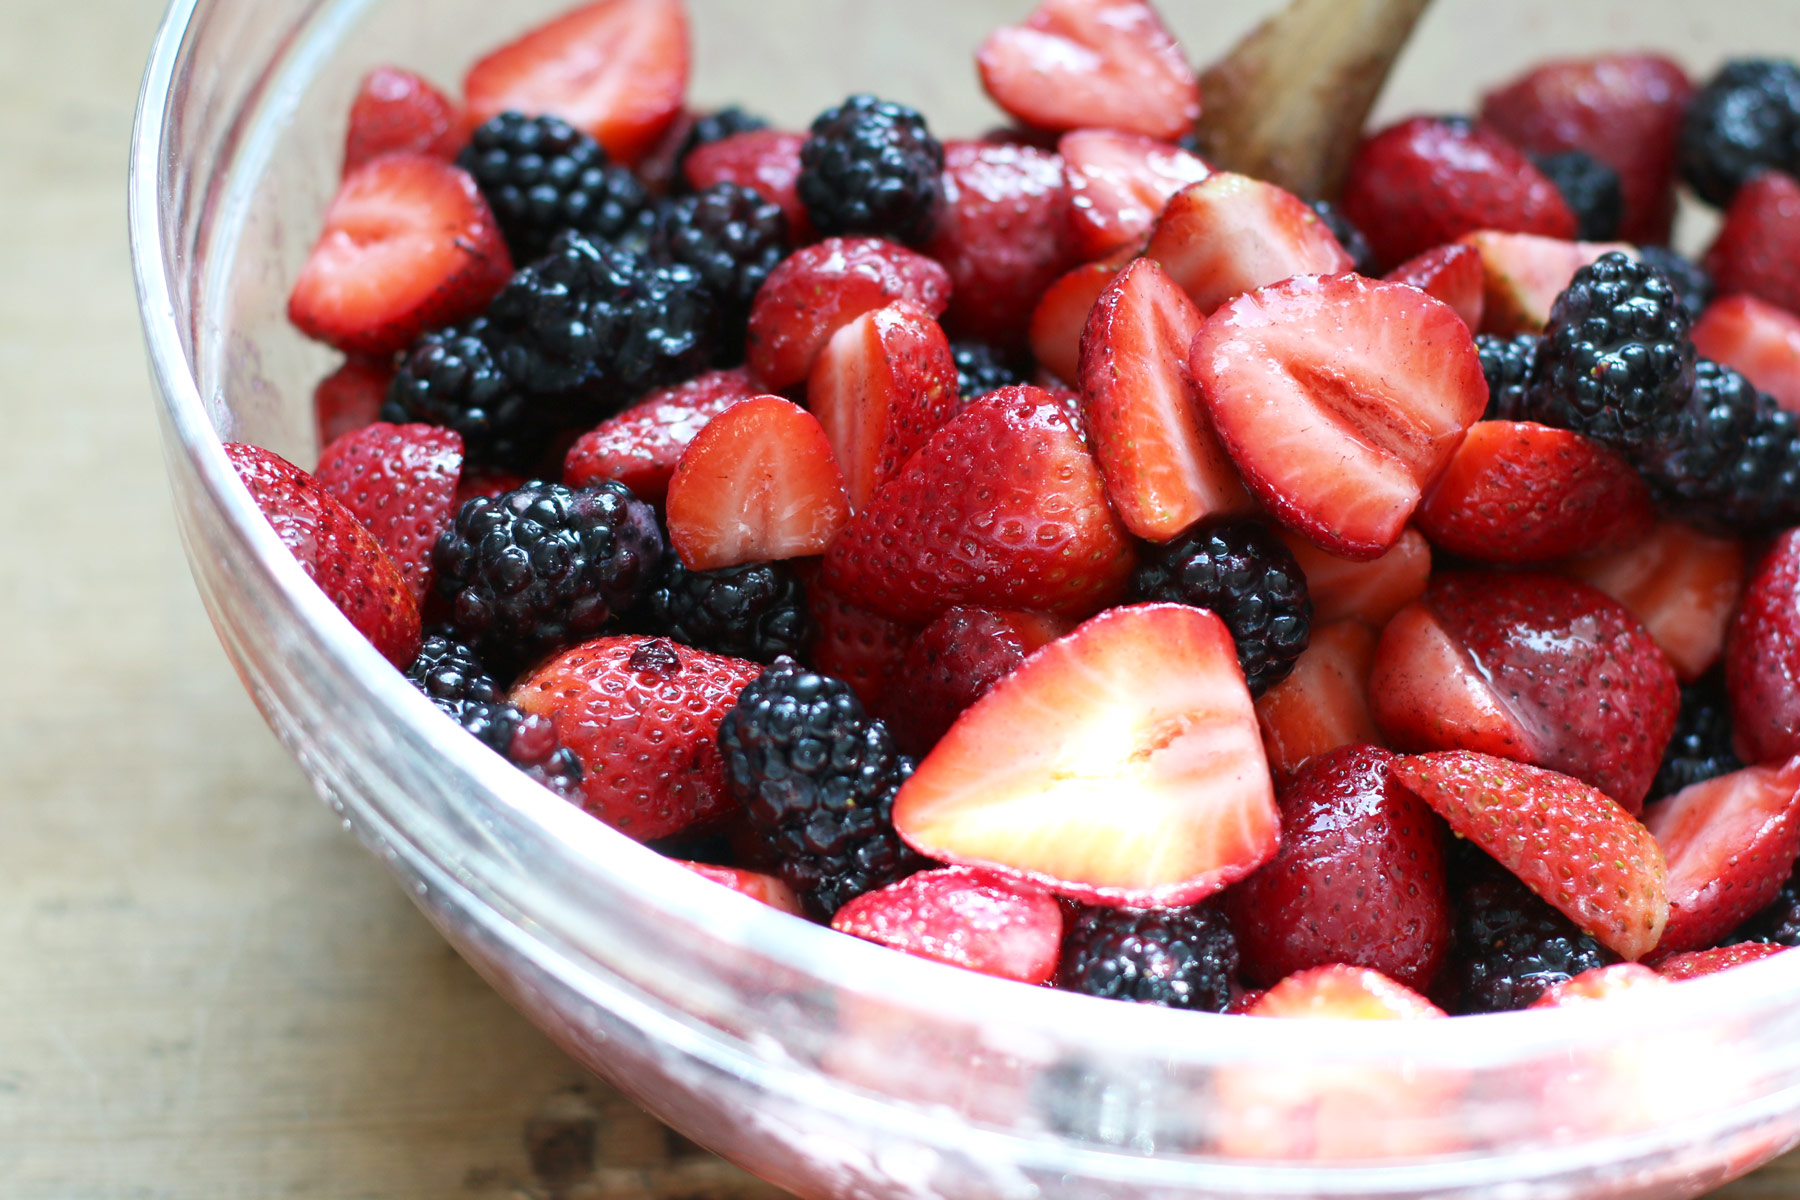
974,919
1756,339
1119,184
640,447
1231,234
1762,658
396,111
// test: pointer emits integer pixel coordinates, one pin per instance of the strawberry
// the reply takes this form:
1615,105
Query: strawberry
1762,658
1696,963
818,290
409,245
1453,274
397,112
1624,109
755,884
1076,64
1119,765
855,645
350,397
1119,184
1757,340
400,482
1427,181
1002,507
1372,591
334,550
1359,878
1061,315
1523,274
757,483
1730,843
1682,584
1518,492
640,446
767,161
615,69
1324,702
1163,467
1339,399
1345,993
642,714
1002,234
1230,234
879,387
1578,850
1599,983
1758,248
978,920
1426,690
489,482
953,662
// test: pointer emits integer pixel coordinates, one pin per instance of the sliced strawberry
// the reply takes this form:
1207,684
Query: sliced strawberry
1453,274
1344,993
1119,765
615,69
1002,233
1599,983
1062,315
1758,249
397,112
1339,399
1372,591
1696,963
1427,181
755,884
1683,585
1323,704
1730,843
879,388
757,483
767,161
953,662
1231,234
1001,508
979,920
1076,64
640,447
1577,849
400,481
1119,184
1757,340
855,645
1518,492
350,397
488,482
409,245
1524,274
1163,467
817,291
1762,658
1426,690
334,550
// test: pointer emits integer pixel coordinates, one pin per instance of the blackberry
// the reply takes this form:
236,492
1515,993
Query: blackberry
451,377
1176,957
1701,746
450,675
1590,188
817,778
732,238
1616,363
1780,921
1509,946
756,611
980,369
709,128
525,740
1507,363
543,566
1746,118
541,176
1693,286
1349,237
1241,571
871,166
1733,462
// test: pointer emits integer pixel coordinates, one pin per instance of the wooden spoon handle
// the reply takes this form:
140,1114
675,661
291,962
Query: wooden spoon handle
1288,103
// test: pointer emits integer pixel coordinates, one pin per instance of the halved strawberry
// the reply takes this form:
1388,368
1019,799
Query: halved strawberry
400,481
396,111
850,643
1164,468
979,920
1426,690
953,662
1372,591
1599,983
1762,658
1524,274
1323,704
1230,234
640,447
1757,340
1062,315
767,161
1758,248
409,245
350,397
757,483
615,69
818,290
1730,843
1119,184
1003,507
1518,492
1339,399
1345,993
1076,64
1119,765
1683,585
769,889
1451,273
1696,963
1587,857
489,482
879,387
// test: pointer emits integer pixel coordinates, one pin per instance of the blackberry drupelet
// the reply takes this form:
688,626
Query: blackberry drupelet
450,675
1746,118
1616,362
451,377
755,611
544,566
1693,286
981,368
541,176
1590,188
871,166
709,128
1507,363
1732,464
1780,922
1700,748
817,778
1509,946
1240,570
525,740
1175,957
1349,237
732,238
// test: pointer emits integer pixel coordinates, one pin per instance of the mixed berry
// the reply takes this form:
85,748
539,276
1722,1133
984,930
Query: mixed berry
1056,556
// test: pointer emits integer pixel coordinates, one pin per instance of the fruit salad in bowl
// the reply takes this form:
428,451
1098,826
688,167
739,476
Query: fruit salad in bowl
962,663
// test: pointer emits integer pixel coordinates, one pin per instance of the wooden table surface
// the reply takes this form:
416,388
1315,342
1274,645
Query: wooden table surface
207,992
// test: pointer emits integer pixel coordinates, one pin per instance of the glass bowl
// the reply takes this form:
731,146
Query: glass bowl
828,1065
